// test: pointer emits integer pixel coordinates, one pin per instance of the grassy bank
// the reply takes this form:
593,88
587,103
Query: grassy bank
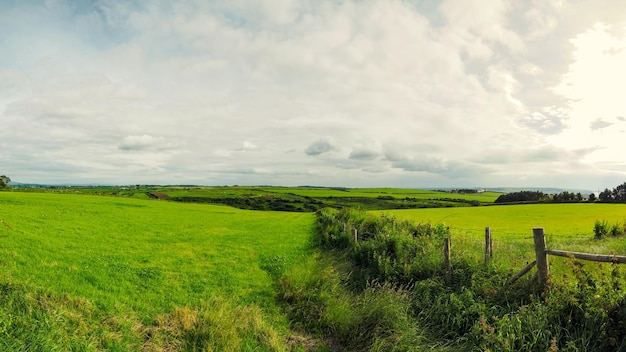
582,308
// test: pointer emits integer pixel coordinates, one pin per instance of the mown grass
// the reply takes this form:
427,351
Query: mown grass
96,273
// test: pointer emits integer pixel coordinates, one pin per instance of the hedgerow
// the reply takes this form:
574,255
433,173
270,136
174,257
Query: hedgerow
400,262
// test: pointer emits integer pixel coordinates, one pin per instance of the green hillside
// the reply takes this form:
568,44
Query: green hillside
110,273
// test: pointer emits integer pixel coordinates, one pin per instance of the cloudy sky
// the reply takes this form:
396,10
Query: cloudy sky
402,93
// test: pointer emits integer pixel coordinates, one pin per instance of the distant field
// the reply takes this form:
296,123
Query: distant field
305,199
518,220
135,260
378,192
567,227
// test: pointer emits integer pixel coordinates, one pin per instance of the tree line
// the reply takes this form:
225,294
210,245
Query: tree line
617,194
540,197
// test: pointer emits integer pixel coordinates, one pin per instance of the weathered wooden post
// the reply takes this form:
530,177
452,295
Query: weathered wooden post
355,235
542,257
488,246
446,255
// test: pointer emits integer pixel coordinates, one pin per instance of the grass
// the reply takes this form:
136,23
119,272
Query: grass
567,227
126,268
88,273
582,308
295,198
518,220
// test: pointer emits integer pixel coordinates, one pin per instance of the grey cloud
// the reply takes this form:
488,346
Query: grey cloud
621,118
452,169
395,155
397,152
142,142
364,154
433,165
374,168
348,166
599,124
544,155
319,147
547,154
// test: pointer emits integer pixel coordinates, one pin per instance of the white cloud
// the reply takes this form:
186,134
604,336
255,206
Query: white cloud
221,92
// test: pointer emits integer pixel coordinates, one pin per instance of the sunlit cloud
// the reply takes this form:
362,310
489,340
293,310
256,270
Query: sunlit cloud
354,93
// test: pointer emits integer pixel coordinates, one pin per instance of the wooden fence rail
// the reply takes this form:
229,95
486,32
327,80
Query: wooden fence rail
604,258
541,257
541,254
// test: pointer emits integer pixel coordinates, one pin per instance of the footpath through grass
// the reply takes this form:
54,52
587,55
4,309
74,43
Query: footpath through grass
90,273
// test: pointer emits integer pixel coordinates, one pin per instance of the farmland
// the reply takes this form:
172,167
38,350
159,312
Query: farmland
117,266
297,199
123,272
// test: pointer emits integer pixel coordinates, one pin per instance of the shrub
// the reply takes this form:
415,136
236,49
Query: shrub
600,229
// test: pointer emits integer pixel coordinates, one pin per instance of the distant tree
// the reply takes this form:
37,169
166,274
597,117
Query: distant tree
523,196
619,193
592,198
606,195
564,196
4,180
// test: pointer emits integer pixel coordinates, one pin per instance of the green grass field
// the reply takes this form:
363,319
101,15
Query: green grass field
562,219
87,272
288,193
132,261
567,227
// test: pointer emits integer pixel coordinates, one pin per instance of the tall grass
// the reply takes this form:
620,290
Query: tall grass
582,310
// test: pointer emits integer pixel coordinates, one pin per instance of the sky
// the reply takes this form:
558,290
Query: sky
353,93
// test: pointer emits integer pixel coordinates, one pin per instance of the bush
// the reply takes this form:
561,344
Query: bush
602,229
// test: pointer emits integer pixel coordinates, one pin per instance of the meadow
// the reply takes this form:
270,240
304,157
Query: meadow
114,273
88,273
302,199
567,227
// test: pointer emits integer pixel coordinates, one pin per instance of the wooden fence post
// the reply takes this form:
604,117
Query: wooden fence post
355,235
488,246
446,255
542,257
